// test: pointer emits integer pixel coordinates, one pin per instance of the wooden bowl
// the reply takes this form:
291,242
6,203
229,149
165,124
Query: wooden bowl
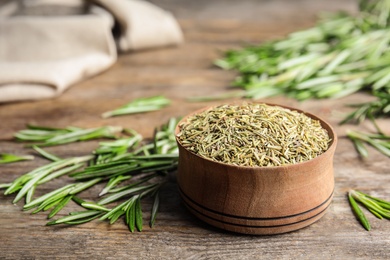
257,200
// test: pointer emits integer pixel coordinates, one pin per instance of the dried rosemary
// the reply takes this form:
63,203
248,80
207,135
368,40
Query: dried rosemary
254,135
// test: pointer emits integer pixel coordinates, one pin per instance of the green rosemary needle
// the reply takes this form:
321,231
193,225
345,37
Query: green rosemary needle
11,158
113,182
79,218
359,213
139,105
156,204
378,207
46,136
46,154
380,142
373,109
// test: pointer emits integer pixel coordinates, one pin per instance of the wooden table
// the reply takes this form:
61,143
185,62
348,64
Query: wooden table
179,73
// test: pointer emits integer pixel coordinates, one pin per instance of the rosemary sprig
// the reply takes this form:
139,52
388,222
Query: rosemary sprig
109,151
131,208
139,105
370,110
46,136
379,141
115,163
59,198
378,207
10,158
152,160
26,184
342,54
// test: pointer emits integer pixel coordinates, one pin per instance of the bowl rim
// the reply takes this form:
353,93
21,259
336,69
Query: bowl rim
324,124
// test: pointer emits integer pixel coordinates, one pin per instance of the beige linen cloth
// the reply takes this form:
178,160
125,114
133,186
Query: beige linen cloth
44,51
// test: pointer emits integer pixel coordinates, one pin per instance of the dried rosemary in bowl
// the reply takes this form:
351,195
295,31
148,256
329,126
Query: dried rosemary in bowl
253,135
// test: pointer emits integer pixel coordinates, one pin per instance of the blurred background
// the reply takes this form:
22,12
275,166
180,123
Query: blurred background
256,10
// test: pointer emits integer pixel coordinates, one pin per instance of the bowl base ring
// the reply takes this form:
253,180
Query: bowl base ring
256,226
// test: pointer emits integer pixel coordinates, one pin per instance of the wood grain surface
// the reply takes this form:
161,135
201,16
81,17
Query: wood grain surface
179,73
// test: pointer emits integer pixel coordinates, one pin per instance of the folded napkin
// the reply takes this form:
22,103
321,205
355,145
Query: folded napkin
48,45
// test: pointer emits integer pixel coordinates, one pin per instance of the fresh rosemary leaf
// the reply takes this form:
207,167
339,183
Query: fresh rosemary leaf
376,214
380,142
132,218
84,185
138,214
109,171
61,172
51,137
52,201
111,213
84,220
139,105
5,185
383,203
130,202
41,199
44,201
116,216
44,128
28,180
128,215
381,147
46,154
359,213
362,150
136,183
59,206
78,200
378,207
127,165
373,109
80,216
94,206
30,194
10,158
113,182
156,205
317,81
121,194
369,204
109,151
